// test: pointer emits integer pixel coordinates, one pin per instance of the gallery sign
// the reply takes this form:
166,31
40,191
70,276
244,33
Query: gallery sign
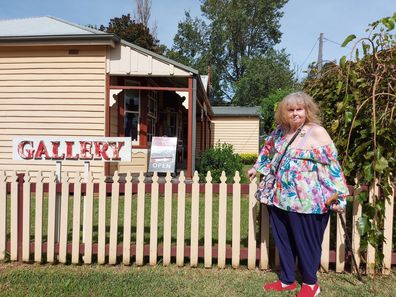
108,149
163,154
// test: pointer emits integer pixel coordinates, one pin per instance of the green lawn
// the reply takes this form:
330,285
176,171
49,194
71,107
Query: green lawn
95,280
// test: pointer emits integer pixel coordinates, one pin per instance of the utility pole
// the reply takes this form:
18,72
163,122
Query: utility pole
320,54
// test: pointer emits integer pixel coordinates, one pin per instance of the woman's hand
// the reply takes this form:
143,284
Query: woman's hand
336,203
337,208
252,173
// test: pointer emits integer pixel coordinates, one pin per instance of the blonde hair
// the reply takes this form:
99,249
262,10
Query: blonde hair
297,99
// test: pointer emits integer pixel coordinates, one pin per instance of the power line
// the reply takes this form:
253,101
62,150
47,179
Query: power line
310,52
335,42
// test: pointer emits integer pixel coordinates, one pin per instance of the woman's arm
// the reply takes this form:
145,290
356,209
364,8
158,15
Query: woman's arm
330,172
319,137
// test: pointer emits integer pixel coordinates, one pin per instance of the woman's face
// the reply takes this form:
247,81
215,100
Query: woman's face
296,115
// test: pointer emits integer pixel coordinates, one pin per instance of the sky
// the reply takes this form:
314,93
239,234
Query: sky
301,24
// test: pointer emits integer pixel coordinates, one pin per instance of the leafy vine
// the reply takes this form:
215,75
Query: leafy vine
358,99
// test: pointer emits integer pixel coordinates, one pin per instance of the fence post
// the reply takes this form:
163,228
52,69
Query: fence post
140,218
388,228
20,215
154,220
181,206
51,218
356,214
340,244
14,218
76,218
252,243
115,196
222,227
208,220
88,213
3,212
26,218
264,236
324,260
126,241
194,221
167,241
236,220
63,218
38,218
102,219
373,194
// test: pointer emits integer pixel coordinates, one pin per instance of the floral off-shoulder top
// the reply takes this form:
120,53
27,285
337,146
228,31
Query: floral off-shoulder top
306,176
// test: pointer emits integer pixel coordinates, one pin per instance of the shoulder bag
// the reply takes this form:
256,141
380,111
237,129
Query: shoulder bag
266,188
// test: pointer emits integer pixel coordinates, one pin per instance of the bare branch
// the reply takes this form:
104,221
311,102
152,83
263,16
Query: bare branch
143,11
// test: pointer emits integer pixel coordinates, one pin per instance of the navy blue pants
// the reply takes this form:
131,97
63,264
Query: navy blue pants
298,236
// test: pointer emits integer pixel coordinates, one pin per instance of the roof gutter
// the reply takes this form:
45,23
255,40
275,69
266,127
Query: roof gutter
83,39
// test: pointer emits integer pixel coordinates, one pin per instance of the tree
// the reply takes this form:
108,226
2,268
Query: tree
263,75
234,32
191,43
134,32
191,47
143,11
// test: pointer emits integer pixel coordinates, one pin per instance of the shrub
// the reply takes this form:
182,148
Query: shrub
248,158
268,107
220,158
357,101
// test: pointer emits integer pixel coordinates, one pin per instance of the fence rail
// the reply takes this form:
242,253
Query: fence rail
129,220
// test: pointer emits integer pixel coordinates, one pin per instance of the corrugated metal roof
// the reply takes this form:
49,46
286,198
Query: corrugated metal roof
236,110
47,28
43,26
52,27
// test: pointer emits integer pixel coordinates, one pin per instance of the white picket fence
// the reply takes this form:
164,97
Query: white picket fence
19,242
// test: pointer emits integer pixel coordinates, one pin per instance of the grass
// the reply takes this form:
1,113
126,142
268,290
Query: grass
95,280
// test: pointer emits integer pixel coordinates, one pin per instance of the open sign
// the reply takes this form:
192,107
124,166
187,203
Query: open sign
163,154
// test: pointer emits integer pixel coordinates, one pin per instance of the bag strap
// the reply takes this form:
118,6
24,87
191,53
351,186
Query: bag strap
287,146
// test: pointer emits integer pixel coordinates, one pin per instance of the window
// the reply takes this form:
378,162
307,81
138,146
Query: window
132,115
151,129
152,114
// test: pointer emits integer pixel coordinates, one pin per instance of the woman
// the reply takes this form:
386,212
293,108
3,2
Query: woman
308,174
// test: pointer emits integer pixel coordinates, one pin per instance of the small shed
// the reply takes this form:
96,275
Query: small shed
237,125
62,79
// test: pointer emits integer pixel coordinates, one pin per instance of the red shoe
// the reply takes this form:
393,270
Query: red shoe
277,286
307,291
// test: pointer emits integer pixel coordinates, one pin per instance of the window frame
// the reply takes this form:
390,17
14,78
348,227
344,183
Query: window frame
152,115
138,112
